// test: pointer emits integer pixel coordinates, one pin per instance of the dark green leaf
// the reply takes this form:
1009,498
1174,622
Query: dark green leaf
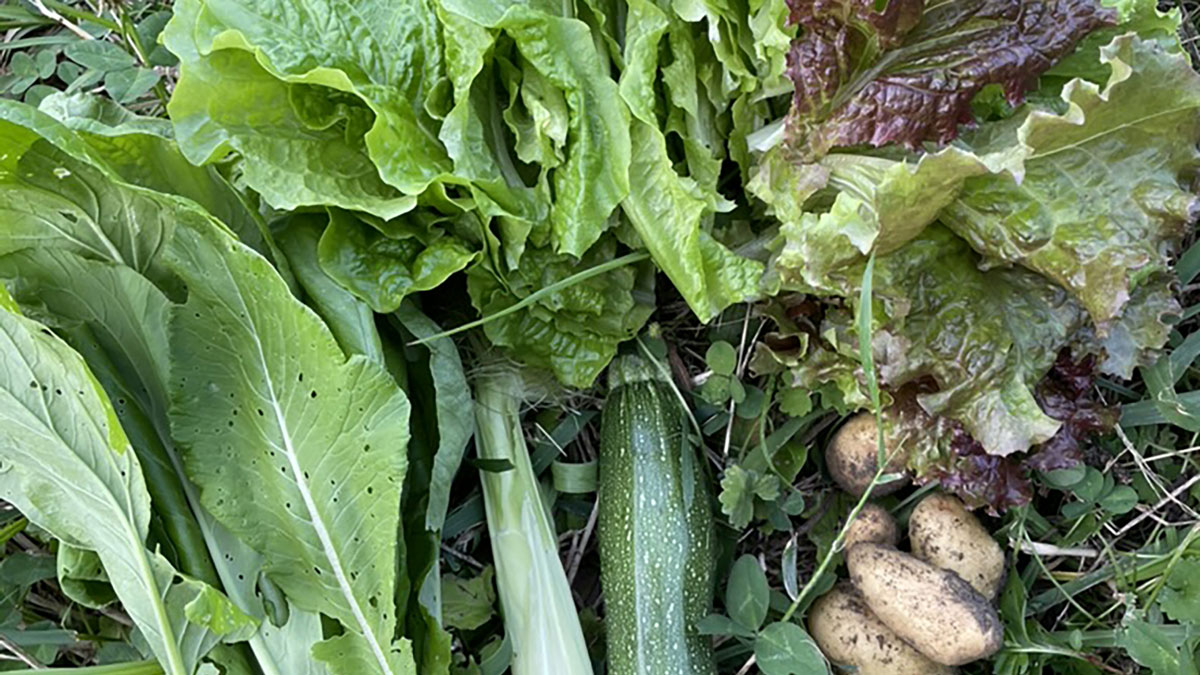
716,624
467,604
99,55
747,594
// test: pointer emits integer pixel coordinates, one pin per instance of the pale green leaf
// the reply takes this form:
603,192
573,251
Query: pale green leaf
297,450
70,469
785,649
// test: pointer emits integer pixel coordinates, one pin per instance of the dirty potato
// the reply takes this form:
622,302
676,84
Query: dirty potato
873,524
850,635
932,609
852,457
945,534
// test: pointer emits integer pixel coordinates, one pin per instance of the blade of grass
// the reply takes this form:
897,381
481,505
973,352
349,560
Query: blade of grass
530,299
1189,264
867,360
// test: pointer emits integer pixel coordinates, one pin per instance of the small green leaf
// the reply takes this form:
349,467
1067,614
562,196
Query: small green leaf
1065,478
23,65
1121,500
794,504
99,55
788,570
751,407
18,85
129,84
785,649
46,60
721,358
795,402
715,389
716,624
35,94
1180,599
69,71
1151,646
766,487
1090,487
1075,510
747,596
737,391
737,496
86,79
467,604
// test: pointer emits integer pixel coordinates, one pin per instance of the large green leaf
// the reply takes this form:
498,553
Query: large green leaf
319,100
297,450
69,468
59,194
141,151
118,320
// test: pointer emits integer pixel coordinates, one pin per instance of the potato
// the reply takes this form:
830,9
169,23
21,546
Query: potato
850,635
873,524
852,458
945,534
930,608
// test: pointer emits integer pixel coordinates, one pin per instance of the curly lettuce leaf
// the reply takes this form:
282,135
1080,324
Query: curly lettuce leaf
880,204
1105,192
573,332
1055,232
984,338
940,450
1133,16
906,73
382,270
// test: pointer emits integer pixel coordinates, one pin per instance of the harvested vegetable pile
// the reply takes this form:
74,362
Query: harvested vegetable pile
604,336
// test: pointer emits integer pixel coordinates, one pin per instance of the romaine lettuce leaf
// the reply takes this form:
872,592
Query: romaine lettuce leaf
669,211
322,101
594,175
382,269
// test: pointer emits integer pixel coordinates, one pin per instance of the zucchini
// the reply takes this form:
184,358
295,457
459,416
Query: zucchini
654,529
